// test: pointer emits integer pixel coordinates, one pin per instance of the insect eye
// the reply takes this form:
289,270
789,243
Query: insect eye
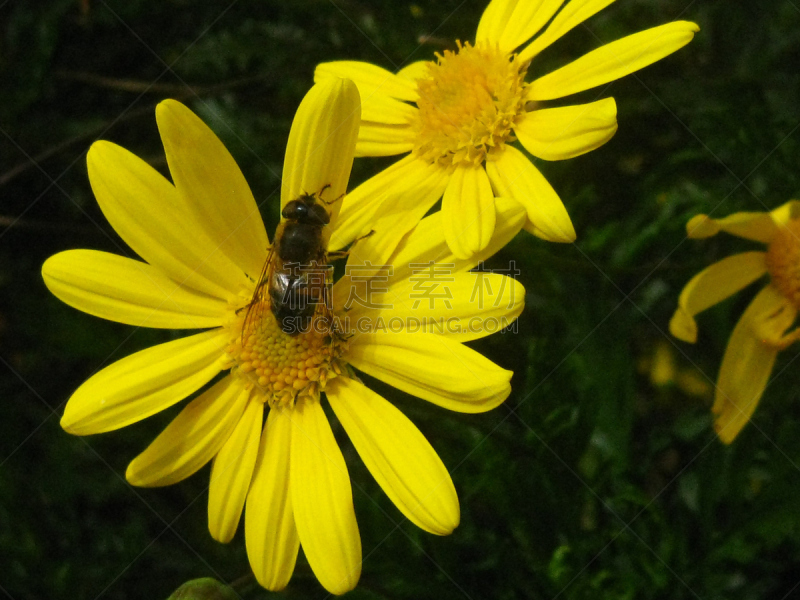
294,210
318,215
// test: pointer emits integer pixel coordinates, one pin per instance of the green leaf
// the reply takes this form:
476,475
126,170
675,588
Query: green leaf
204,588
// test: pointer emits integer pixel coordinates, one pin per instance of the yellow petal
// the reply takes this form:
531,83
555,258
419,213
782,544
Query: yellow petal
322,143
128,291
359,206
377,88
702,226
748,362
388,111
471,305
756,226
712,285
416,70
147,212
145,383
210,184
399,457
468,213
426,243
432,367
573,14
377,139
400,195
269,525
323,500
391,227
422,245
371,79
493,20
614,60
193,438
509,23
568,131
514,176
789,211
232,472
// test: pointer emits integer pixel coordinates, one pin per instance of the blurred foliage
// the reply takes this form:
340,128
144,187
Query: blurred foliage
596,479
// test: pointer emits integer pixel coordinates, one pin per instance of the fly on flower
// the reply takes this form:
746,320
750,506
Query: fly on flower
258,415
296,274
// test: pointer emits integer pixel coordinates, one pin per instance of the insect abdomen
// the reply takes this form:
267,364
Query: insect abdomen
292,302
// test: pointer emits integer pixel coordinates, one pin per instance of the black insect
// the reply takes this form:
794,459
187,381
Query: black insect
296,274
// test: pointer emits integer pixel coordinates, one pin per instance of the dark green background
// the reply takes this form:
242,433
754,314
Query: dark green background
590,481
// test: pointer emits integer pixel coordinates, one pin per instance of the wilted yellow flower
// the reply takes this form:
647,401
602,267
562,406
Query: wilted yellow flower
456,117
204,245
762,330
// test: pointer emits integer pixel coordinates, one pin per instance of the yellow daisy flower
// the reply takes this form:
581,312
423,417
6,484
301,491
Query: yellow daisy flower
203,246
762,330
456,117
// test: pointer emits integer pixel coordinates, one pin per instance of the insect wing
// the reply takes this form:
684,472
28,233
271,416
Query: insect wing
255,309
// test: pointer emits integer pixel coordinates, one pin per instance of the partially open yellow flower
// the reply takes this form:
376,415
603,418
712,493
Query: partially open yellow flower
457,116
762,330
204,245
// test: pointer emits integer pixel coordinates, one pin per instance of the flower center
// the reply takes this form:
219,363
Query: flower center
469,104
783,262
284,367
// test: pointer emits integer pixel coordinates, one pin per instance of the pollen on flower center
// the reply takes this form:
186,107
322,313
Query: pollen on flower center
783,262
281,366
469,104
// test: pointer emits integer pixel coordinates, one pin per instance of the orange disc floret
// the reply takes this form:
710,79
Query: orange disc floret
783,261
469,104
283,366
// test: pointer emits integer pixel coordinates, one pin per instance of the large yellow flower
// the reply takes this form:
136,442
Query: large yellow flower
762,330
456,117
203,245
